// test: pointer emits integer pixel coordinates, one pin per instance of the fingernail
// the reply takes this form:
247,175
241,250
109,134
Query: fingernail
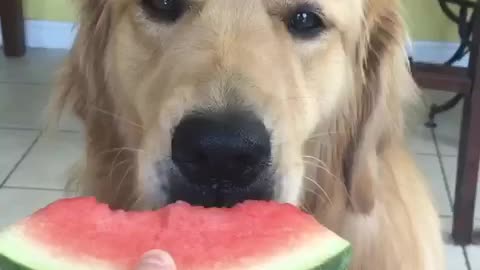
157,260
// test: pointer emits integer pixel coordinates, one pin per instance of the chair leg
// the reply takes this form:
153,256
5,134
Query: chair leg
467,172
13,28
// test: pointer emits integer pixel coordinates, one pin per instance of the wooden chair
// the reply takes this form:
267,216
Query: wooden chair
464,81
13,27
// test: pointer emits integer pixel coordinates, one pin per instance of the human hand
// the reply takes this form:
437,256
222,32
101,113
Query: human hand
156,260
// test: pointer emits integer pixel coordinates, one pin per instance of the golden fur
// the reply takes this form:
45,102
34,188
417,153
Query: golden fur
335,106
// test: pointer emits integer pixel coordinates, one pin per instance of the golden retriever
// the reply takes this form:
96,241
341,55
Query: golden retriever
218,101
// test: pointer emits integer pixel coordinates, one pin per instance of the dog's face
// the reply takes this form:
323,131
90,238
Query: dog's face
221,97
229,91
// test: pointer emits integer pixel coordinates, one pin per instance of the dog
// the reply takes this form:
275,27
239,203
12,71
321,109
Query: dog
214,102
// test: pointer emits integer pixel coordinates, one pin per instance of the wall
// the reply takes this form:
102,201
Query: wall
50,10
426,21
424,18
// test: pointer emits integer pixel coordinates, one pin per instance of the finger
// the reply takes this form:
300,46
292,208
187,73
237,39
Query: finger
156,260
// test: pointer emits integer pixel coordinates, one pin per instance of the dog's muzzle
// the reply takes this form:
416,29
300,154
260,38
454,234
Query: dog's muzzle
221,158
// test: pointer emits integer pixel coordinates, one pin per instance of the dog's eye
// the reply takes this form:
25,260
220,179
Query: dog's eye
165,10
305,24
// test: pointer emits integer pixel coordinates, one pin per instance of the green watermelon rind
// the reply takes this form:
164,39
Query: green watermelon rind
340,262
319,254
15,247
7,264
328,252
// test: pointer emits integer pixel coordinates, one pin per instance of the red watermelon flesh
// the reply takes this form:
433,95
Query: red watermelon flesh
82,234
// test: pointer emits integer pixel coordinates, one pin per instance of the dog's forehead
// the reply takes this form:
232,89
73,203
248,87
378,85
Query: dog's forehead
342,13
346,4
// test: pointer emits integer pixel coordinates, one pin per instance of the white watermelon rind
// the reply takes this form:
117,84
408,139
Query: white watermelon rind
15,246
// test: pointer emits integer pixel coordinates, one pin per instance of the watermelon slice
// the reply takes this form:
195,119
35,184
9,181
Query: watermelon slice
82,234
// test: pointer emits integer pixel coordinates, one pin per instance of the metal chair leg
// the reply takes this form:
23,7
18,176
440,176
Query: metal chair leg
437,109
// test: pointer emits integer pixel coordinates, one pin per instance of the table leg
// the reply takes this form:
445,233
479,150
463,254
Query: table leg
13,27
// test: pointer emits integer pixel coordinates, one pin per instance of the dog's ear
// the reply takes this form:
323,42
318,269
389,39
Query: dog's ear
83,86
81,81
378,107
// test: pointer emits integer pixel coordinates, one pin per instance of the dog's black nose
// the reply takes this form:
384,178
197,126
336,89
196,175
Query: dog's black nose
221,149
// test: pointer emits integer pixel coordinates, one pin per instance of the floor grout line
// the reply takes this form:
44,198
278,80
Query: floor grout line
448,155
449,194
68,131
467,260
442,168
427,154
22,158
451,216
25,83
30,188
38,129
19,128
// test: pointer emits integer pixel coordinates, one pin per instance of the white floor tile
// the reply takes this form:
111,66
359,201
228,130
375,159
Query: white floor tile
448,129
454,254
17,204
430,167
49,162
13,145
473,253
37,66
420,140
23,105
448,132
432,96
69,122
455,258
450,165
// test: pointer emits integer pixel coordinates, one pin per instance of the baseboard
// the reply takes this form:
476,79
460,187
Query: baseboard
60,35
435,52
48,34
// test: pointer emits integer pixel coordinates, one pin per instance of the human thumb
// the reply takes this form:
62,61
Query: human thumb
156,260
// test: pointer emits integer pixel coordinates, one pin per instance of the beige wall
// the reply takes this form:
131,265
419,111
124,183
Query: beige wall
426,21
54,10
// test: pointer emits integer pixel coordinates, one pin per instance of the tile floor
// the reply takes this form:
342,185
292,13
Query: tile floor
33,165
